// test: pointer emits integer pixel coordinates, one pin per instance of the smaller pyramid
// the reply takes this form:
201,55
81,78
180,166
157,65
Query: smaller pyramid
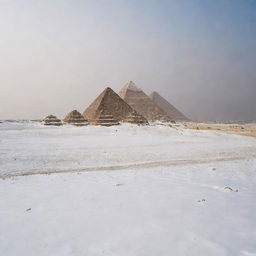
52,120
142,103
169,109
135,118
109,104
75,118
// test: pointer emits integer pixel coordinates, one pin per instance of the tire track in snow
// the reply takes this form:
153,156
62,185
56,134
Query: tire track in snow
142,165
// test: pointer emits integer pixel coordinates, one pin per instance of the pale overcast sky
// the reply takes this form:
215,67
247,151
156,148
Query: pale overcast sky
58,55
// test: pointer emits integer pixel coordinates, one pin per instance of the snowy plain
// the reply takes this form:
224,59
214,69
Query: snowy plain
126,190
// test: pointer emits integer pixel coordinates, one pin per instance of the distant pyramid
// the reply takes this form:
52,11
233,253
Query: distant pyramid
142,103
107,104
75,118
52,120
169,109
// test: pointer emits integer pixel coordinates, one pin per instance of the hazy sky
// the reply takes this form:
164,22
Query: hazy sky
58,55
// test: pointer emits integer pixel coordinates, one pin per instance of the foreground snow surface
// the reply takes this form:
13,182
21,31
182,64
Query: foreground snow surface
127,190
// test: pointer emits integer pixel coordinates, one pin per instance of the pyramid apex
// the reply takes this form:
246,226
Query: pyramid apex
154,94
74,111
132,87
108,90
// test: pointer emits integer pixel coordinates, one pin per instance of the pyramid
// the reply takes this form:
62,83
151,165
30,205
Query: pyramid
135,118
142,103
52,120
105,118
75,118
106,104
169,109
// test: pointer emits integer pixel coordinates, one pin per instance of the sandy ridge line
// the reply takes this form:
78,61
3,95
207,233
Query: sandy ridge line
125,167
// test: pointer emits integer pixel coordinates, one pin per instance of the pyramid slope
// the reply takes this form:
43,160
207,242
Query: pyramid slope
75,118
108,102
169,109
142,103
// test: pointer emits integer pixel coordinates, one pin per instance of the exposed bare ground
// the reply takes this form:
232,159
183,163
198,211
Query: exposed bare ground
241,129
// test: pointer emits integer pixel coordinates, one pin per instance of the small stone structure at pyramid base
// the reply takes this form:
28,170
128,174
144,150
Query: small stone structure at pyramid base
75,118
52,120
135,118
163,121
104,118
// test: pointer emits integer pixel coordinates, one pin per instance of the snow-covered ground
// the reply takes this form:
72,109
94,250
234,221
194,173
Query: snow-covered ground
32,148
126,190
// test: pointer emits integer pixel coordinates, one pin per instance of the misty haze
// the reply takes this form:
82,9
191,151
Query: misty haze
58,55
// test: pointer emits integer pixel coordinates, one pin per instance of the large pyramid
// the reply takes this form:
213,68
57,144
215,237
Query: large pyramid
142,103
75,118
109,103
169,109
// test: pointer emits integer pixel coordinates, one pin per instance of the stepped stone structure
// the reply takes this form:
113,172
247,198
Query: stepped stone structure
75,118
142,103
109,105
135,118
169,109
52,120
105,118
